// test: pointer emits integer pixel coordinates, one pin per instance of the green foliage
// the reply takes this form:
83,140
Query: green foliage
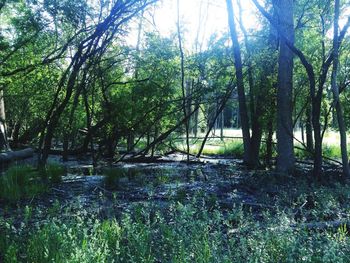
192,235
302,154
53,173
332,151
115,177
25,181
224,148
20,182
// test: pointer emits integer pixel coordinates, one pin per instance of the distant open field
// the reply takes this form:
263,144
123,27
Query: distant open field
232,143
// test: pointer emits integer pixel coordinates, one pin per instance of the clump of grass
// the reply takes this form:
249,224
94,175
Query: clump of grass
115,177
20,182
53,173
112,176
24,181
234,149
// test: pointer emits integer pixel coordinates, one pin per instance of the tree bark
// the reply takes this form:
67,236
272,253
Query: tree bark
308,129
16,155
285,150
183,88
4,145
335,90
243,112
131,135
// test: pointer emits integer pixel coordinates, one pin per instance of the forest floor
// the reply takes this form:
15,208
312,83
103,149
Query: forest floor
249,200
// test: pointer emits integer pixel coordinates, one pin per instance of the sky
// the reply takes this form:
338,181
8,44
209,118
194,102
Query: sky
211,15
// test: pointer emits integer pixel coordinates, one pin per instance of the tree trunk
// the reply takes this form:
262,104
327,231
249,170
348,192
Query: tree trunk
222,125
68,132
11,156
15,134
269,145
4,145
308,129
335,90
243,112
256,100
195,119
131,135
302,133
183,88
285,149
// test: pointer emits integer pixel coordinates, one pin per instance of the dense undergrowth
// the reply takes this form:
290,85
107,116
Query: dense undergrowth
182,233
195,230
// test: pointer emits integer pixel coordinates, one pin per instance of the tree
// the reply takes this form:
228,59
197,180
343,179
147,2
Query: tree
240,83
285,149
335,90
183,88
91,48
316,92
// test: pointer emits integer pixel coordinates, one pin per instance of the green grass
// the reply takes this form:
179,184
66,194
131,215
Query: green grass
218,147
192,234
20,182
116,176
24,181
53,173
184,230
234,148
112,176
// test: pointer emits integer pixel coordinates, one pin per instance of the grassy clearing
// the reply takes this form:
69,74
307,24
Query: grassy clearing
224,148
234,147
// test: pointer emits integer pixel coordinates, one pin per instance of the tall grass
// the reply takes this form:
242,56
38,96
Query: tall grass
223,148
53,173
24,181
20,182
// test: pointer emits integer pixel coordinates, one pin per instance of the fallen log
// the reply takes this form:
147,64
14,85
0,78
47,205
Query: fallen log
11,156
